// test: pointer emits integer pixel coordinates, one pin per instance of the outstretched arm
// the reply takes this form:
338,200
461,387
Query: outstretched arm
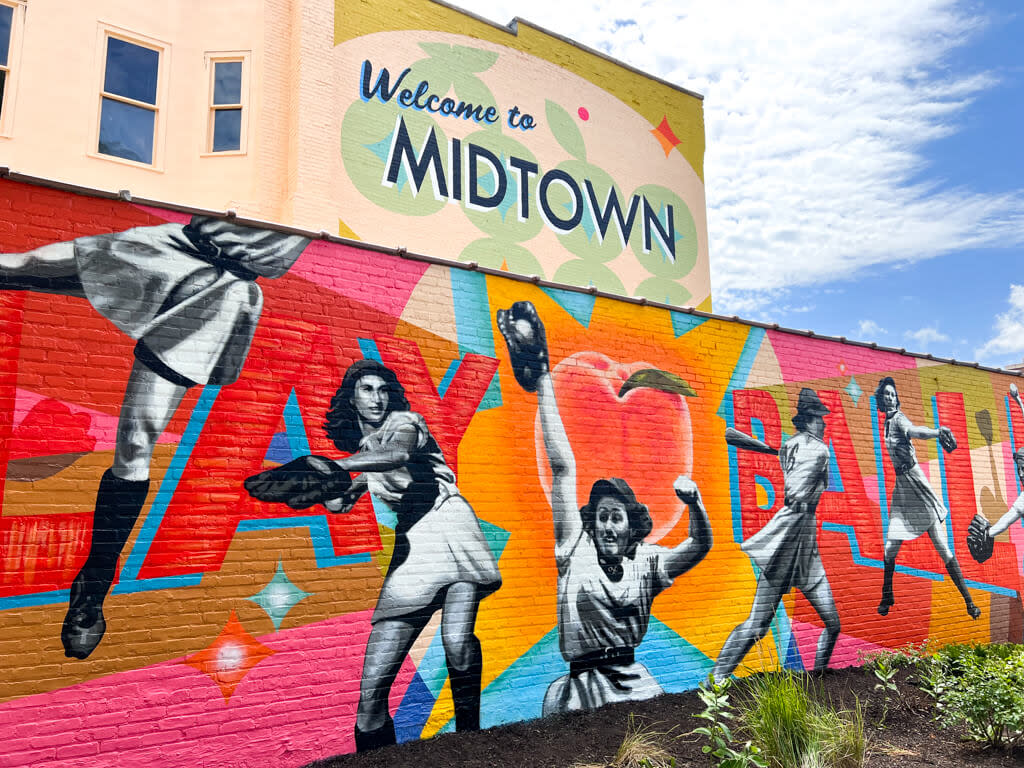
683,557
352,495
527,344
568,526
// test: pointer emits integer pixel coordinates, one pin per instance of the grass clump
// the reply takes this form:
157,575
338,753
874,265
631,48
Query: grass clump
793,727
643,746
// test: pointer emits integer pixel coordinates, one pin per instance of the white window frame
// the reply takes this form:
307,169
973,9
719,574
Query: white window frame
105,32
211,59
13,66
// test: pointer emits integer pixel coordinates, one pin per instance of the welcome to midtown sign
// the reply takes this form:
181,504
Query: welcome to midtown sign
456,146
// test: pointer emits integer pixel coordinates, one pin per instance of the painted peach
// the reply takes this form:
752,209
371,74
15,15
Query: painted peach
643,437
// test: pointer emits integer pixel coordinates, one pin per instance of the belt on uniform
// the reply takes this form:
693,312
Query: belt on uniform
609,657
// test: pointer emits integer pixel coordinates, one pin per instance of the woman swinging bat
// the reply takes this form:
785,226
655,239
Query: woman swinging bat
786,549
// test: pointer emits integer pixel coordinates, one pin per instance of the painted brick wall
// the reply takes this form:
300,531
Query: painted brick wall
236,628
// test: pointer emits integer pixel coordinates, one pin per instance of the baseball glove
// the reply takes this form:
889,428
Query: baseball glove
527,343
978,539
300,483
946,439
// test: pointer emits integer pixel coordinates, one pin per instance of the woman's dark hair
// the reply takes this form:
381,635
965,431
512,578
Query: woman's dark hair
888,381
342,423
640,523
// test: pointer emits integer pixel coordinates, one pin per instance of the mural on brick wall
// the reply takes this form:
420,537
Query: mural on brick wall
458,140
266,499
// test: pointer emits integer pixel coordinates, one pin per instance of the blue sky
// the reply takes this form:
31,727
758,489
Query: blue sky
864,174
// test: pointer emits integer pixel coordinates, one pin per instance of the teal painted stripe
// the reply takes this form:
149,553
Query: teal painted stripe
319,534
135,559
295,427
580,306
883,499
725,411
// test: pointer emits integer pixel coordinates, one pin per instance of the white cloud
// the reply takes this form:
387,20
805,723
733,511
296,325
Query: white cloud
1007,345
923,339
816,118
869,329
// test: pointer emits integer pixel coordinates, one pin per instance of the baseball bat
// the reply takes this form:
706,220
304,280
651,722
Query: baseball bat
747,443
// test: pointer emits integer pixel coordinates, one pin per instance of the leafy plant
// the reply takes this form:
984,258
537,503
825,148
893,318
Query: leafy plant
717,713
982,687
885,665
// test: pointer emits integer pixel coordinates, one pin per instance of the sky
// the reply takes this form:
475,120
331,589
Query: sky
864,174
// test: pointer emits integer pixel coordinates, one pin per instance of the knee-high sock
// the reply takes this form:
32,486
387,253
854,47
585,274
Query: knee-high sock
466,689
118,504
887,595
378,737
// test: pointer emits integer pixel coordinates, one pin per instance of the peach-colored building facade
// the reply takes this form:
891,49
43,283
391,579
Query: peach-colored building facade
296,77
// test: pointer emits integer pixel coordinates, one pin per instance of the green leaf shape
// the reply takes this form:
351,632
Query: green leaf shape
583,273
462,56
366,132
565,131
665,290
655,378
489,252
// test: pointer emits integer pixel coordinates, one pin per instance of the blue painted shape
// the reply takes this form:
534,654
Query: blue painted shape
446,380
1013,443
279,451
725,412
580,306
883,499
369,349
496,537
683,322
201,411
793,659
675,663
782,631
295,427
835,479
769,491
942,475
414,711
385,515
869,562
757,428
473,324
319,535
61,596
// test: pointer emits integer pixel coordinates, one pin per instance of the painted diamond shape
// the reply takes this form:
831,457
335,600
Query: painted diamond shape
230,657
665,136
279,596
854,391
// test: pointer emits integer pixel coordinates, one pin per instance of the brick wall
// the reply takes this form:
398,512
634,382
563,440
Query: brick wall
236,629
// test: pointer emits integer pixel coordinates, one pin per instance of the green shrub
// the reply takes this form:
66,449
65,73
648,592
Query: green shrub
981,687
717,714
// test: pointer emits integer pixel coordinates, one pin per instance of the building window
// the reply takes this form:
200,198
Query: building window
6,28
128,102
226,132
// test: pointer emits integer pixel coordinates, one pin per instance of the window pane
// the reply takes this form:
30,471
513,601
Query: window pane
6,17
227,82
3,82
126,131
131,70
227,130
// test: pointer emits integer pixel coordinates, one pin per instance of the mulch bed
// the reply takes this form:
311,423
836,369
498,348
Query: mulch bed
908,738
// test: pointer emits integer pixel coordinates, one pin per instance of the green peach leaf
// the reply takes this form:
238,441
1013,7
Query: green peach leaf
565,130
654,378
461,56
